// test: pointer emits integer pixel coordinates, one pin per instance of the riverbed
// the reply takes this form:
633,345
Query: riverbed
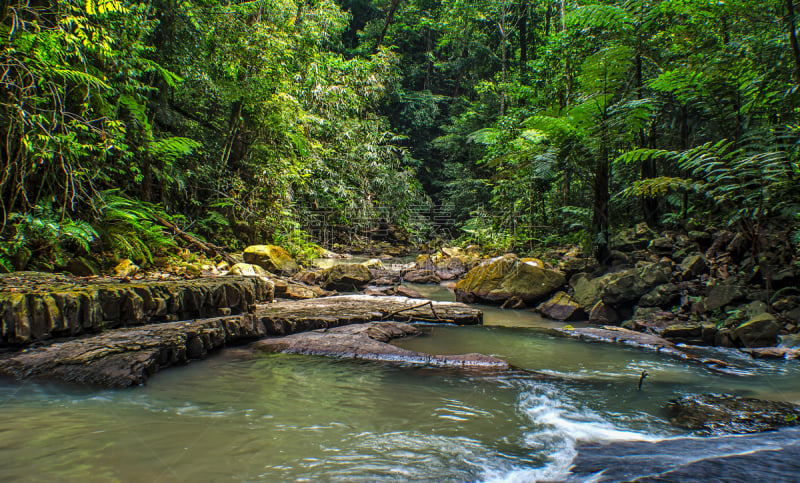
280,417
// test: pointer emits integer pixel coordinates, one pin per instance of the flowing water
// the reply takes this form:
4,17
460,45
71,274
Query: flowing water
283,417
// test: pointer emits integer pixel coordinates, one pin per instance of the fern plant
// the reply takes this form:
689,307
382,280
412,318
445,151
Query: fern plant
128,227
49,237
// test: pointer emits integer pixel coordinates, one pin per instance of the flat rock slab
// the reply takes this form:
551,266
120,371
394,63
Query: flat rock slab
356,309
36,307
619,335
126,357
370,342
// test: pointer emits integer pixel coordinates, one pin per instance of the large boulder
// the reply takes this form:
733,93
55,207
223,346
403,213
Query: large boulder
270,257
621,287
499,279
346,277
760,331
720,295
725,413
663,296
561,307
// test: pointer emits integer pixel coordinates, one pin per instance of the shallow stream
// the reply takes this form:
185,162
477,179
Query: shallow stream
297,418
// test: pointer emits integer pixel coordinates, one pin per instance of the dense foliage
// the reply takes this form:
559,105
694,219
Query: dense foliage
529,121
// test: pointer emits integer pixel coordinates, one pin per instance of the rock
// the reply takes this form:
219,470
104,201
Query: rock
561,307
421,276
82,267
618,287
298,292
306,277
702,238
450,268
44,308
693,265
424,262
453,252
358,309
724,338
126,268
499,279
248,270
770,456
404,291
370,342
514,303
346,277
127,357
571,266
618,335
787,353
688,330
271,258
663,296
760,331
720,295
586,290
713,414
374,264
635,238
661,246
603,314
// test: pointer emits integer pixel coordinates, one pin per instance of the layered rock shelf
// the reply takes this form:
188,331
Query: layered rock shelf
127,356
35,307
359,309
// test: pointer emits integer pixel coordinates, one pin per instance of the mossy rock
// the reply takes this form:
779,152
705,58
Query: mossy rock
271,258
499,279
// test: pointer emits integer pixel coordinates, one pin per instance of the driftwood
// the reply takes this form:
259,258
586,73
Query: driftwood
208,248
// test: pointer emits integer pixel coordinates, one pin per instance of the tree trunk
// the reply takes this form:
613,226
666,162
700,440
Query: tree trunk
600,208
793,39
523,37
389,16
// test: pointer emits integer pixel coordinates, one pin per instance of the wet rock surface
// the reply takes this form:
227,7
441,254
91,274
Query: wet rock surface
126,357
714,414
773,456
35,307
349,309
619,335
370,342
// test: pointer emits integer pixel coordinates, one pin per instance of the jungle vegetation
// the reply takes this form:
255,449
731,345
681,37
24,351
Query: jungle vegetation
525,121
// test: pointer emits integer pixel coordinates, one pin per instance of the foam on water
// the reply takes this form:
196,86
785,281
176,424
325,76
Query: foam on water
557,425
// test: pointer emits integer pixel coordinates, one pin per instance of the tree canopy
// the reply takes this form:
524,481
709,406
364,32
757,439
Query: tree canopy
531,121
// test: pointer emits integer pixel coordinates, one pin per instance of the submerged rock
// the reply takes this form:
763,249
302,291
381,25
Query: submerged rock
499,279
370,342
725,413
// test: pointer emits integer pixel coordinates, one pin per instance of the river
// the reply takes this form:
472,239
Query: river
281,417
